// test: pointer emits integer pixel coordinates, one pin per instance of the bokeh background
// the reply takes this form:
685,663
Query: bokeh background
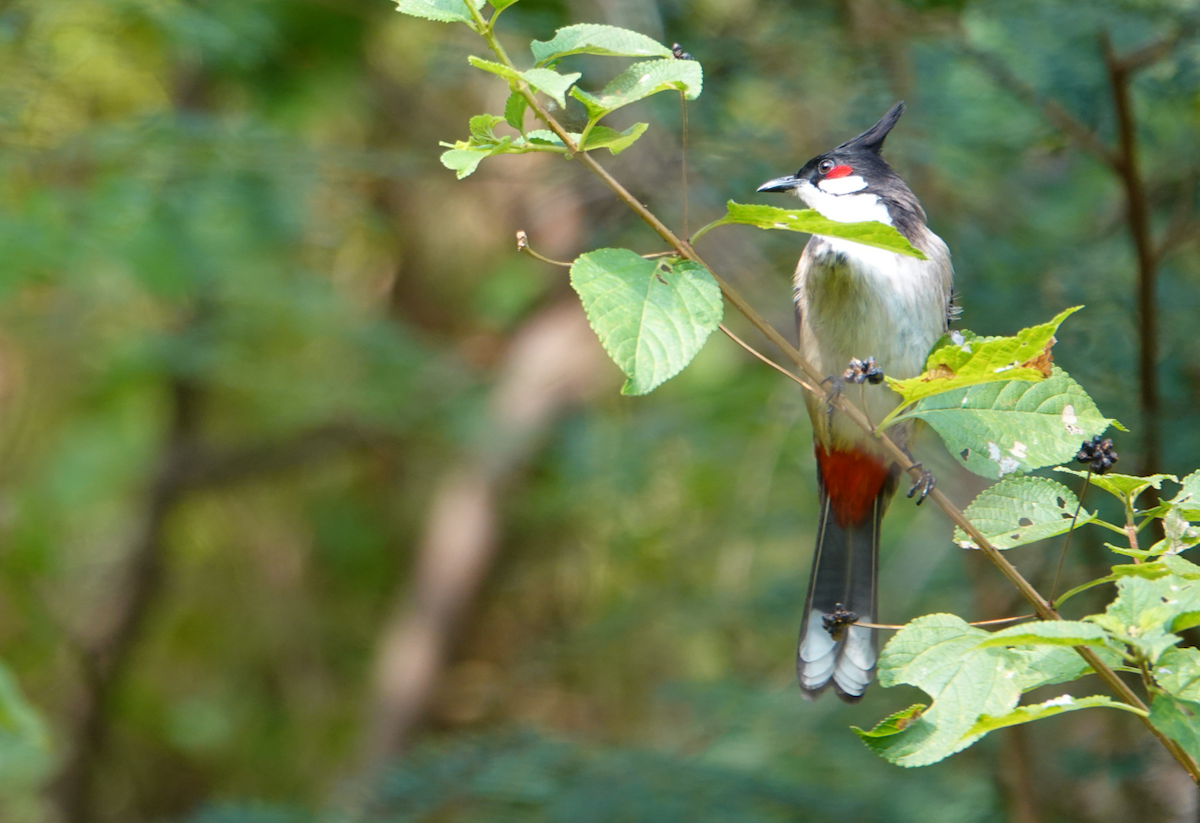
318,501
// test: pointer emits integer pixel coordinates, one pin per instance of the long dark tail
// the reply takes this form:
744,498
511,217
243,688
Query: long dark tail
855,491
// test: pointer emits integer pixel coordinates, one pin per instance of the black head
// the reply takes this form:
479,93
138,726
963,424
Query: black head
847,176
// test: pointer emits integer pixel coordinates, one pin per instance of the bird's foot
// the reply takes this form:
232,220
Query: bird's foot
924,485
837,621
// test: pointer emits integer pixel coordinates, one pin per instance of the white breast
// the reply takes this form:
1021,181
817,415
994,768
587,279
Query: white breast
834,200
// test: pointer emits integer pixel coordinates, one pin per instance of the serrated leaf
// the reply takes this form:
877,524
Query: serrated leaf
1125,487
1051,665
514,111
590,38
640,81
968,362
810,221
442,11
1178,671
996,429
940,654
1020,510
1048,633
652,316
552,83
1057,705
1178,720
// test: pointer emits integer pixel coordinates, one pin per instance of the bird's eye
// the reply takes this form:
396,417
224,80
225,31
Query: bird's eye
825,166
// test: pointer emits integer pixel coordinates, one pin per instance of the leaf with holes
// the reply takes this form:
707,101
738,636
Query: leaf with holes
1020,510
810,221
940,654
963,359
590,38
442,11
640,81
1178,671
996,429
652,316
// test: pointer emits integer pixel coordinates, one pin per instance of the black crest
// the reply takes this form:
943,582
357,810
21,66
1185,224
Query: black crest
872,139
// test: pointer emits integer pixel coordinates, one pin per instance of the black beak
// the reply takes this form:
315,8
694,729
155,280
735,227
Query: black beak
780,184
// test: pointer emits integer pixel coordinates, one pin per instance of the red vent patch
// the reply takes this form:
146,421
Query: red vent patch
852,480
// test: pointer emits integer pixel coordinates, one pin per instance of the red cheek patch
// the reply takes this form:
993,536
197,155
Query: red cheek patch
838,171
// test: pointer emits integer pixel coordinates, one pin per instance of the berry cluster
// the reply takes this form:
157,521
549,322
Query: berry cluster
863,371
1098,454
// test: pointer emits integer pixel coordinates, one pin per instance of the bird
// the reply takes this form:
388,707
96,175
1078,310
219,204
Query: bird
853,303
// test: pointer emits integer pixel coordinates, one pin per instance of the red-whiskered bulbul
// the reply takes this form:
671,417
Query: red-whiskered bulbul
855,301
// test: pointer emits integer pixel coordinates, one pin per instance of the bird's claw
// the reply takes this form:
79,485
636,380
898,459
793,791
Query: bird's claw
924,485
836,386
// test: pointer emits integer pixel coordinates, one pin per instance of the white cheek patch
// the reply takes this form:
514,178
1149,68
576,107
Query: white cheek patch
843,185
844,208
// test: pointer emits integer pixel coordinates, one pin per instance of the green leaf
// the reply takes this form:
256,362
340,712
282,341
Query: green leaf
590,38
443,11
940,654
551,82
495,68
1178,534
1178,671
1049,633
464,161
602,137
642,80
1057,705
482,126
652,316
1178,720
1188,498
964,361
514,111
1125,487
501,5
1020,510
1051,665
1146,613
810,221
1183,568
996,429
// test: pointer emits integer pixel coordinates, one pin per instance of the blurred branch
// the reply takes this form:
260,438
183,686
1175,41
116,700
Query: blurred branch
183,466
1043,608
552,364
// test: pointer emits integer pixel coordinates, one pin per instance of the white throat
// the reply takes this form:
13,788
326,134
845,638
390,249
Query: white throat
836,199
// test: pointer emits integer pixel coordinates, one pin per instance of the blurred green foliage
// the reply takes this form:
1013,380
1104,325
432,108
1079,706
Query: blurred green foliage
245,198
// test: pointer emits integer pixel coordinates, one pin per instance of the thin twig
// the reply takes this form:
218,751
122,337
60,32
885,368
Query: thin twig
1066,543
1044,609
997,621
683,162
523,246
